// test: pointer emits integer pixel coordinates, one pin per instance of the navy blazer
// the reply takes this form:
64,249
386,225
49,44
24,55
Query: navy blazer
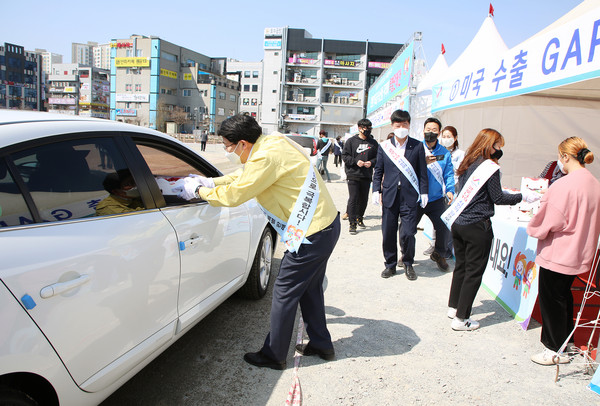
415,154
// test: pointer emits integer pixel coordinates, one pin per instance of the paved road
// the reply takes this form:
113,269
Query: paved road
392,338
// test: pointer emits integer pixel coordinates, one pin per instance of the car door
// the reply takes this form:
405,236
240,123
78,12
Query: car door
214,241
103,289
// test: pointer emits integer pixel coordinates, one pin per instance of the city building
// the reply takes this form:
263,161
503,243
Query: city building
249,75
91,54
48,59
83,53
77,89
155,83
101,56
21,85
312,84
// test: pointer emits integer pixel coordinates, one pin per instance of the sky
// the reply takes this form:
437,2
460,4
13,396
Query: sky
235,29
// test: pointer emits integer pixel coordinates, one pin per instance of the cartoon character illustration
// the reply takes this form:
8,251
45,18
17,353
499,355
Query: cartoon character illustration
519,268
528,277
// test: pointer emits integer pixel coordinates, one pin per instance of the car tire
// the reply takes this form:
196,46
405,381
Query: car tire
260,274
15,397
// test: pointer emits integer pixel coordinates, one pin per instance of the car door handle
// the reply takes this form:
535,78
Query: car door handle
194,239
61,287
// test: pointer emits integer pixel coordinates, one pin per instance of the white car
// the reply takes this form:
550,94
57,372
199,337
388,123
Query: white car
88,299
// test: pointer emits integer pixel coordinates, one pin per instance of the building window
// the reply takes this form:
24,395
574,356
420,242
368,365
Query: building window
276,53
246,102
253,114
232,97
138,87
129,52
255,88
254,102
246,73
274,90
254,73
222,95
128,87
187,92
274,72
246,88
273,110
162,91
138,53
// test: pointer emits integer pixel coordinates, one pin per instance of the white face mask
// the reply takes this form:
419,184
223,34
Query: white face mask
401,132
132,193
561,166
446,142
233,157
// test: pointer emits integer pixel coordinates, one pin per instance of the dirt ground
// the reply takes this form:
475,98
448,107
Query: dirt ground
393,342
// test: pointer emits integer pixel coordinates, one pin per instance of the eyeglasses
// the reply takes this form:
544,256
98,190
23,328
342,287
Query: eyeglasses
226,147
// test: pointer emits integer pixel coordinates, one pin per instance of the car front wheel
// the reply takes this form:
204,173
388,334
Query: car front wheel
260,273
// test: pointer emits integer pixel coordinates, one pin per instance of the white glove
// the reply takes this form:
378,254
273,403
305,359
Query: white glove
187,189
202,181
376,198
530,196
424,200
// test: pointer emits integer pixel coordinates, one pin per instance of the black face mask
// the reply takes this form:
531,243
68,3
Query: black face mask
367,133
497,154
430,137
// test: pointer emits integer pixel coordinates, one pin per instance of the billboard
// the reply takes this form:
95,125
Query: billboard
393,81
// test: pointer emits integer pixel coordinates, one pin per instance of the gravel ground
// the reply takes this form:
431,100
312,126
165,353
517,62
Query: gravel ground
393,343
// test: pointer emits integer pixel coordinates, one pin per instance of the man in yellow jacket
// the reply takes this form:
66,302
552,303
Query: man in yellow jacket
291,193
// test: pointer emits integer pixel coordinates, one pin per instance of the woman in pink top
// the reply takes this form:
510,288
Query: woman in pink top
567,227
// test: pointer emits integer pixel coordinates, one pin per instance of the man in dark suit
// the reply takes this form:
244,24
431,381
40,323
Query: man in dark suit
400,184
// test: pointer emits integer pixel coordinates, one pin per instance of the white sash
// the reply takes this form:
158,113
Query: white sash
469,190
320,153
436,170
402,163
293,233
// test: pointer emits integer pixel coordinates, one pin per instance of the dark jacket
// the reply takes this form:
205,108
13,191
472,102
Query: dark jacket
481,206
321,144
356,149
388,184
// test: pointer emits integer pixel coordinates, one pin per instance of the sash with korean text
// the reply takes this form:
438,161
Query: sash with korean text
322,151
402,163
469,190
436,170
293,233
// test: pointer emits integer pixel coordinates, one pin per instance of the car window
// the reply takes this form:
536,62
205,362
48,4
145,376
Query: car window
168,171
13,209
67,179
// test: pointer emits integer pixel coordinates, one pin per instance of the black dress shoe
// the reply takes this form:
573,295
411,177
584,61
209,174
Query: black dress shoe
440,261
410,273
258,359
307,349
388,272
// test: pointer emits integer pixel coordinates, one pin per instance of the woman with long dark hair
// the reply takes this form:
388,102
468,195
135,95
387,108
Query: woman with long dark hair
567,226
479,183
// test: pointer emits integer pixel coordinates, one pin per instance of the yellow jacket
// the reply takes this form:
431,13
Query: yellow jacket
274,175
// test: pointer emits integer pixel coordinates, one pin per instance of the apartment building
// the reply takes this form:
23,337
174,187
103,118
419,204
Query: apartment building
21,85
312,84
91,54
249,74
153,81
48,59
77,89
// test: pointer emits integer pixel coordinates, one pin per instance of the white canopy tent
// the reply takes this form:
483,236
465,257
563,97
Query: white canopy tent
555,94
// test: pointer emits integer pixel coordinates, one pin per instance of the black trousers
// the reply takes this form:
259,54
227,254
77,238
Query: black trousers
358,198
337,160
472,245
556,307
434,211
407,211
300,280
